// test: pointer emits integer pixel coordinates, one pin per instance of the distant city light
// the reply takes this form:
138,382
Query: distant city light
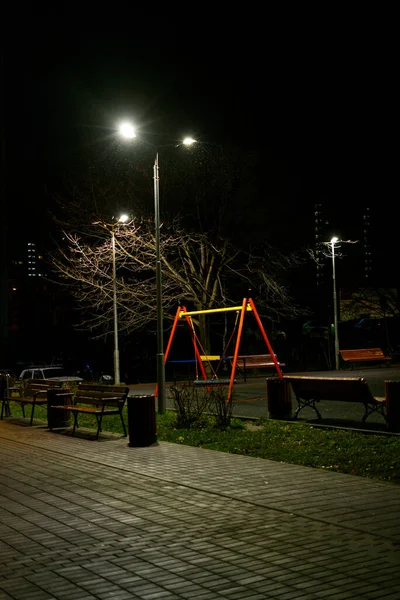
127,130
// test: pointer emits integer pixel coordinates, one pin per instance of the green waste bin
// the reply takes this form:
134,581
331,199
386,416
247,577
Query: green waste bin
58,417
141,420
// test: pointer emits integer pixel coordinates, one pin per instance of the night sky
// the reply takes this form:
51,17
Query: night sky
324,114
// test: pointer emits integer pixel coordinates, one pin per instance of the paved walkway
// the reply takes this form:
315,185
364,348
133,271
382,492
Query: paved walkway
84,520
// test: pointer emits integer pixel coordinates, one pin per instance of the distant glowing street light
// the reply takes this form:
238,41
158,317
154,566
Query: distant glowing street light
127,130
122,219
334,241
188,141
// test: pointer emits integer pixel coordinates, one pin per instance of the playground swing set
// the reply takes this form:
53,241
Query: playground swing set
200,356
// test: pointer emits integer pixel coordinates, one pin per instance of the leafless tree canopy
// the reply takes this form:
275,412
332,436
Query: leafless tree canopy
201,267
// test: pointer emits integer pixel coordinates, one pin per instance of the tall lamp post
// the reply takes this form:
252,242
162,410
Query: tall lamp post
117,379
128,131
162,396
334,241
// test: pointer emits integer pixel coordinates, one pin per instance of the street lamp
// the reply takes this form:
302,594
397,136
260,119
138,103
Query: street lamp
128,131
162,395
117,381
188,141
334,241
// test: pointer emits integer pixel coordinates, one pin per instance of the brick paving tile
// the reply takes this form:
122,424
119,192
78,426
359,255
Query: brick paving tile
179,522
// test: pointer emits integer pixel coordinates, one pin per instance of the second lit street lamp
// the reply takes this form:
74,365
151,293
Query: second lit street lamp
127,131
334,241
117,379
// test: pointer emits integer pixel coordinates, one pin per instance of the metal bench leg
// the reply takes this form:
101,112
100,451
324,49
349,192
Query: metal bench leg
32,413
23,409
303,403
5,408
370,409
75,422
366,413
99,420
123,424
316,410
298,409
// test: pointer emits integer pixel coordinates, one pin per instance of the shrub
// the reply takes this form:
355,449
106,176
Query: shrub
190,403
219,407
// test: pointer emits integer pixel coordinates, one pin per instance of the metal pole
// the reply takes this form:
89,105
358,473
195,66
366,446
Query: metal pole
4,347
160,337
335,315
116,351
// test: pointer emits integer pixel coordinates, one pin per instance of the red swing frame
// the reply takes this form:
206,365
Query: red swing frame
247,306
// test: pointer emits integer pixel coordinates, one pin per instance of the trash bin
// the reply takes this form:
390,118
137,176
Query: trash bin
141,420
3,386
279,398
4,383
58,417
392,395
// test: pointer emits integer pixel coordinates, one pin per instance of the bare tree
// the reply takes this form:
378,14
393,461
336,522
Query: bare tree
196,272
203,264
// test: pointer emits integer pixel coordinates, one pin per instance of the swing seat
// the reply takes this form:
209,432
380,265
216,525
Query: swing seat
213,381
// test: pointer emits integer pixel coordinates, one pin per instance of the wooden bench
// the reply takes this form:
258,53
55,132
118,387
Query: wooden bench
255,361
35,393
309,390
97,400
364,355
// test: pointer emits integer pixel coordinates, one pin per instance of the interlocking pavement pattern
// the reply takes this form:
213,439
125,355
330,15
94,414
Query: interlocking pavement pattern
85,520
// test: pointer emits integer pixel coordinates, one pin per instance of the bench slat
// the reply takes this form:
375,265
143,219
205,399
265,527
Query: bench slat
35,392
363,354
103,401
256,361
88,409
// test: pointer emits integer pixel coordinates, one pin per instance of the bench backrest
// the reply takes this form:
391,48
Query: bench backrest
40,386
106,394
362,353
255,359
354,389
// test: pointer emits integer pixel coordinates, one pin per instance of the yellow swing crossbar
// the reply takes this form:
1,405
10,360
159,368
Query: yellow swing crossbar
212,310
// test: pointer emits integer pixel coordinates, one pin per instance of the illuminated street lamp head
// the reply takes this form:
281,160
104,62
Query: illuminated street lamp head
334,240
188,141
127,130
123,219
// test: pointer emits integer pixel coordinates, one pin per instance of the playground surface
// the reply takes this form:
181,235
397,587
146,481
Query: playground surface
85,520
250,398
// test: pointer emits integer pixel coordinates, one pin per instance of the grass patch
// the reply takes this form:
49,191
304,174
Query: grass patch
357,453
